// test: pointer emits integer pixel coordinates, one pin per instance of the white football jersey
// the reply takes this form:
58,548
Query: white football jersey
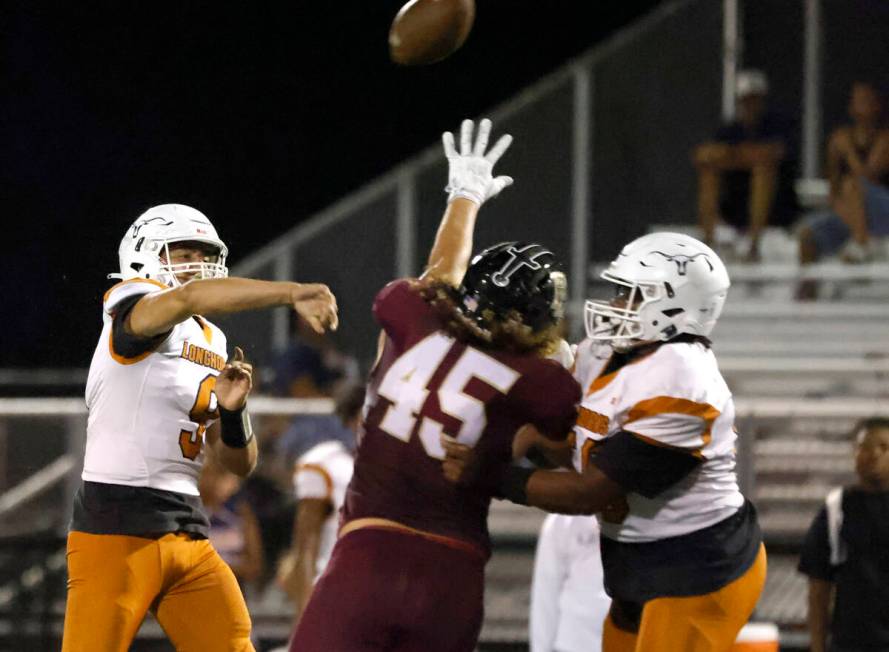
674,397
148,414
324,472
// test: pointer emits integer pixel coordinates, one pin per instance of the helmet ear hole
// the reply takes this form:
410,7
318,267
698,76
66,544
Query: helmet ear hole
672,312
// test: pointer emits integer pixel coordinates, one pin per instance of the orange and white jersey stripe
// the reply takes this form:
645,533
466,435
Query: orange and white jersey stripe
148,413
323,472
674,397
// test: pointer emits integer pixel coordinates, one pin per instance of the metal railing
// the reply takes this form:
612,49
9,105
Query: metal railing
564,166
64,465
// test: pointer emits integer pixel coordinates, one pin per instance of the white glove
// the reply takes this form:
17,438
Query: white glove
470,173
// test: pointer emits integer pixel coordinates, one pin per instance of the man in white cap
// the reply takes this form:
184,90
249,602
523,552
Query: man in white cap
745,174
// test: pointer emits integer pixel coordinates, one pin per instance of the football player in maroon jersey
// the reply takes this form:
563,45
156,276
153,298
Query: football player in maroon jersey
462,356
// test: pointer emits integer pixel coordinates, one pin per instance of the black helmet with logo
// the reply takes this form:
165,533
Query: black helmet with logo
518,276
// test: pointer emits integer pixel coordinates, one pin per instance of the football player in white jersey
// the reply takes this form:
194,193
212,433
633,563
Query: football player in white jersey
568,599
654,456
161,394
320,478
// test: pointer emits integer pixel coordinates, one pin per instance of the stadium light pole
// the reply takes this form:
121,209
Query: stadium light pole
581,192
811,136
406,224
281,316
731,50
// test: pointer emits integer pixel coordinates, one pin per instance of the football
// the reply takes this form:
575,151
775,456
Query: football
426,31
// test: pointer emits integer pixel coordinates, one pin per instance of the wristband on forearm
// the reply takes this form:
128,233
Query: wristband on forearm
514,484
237,431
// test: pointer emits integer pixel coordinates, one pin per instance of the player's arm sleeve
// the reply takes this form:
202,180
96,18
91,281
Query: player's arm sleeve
313,481
673,422
815,556
124,343
553,400
550,571
397,308
642,466
564,355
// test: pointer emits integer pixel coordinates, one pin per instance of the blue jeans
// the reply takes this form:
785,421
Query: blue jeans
830,233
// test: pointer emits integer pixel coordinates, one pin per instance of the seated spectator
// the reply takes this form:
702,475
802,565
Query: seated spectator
273,506
858,171
311,365
746,173
307,431
846,553
234,529
320,479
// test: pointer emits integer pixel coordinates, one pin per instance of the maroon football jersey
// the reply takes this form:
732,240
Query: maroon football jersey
426,383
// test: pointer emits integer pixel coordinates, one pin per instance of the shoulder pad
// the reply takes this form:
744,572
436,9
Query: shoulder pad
129,288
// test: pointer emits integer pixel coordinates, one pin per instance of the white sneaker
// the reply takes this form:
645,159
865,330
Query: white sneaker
856,253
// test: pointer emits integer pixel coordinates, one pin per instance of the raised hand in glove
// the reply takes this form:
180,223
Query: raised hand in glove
470,172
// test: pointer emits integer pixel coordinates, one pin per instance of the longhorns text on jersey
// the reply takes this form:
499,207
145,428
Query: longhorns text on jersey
149,412
673,397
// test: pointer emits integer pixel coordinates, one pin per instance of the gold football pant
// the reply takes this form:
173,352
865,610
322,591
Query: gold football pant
113,580
699,623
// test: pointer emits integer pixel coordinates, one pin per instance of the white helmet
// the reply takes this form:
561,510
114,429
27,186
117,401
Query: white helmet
155,230
668,283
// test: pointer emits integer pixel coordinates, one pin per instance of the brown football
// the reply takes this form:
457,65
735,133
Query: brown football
426,31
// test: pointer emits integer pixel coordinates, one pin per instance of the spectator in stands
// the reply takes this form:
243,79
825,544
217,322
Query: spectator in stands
846,553
746,173
311,365
306,431
234,529
858,171
267,489
320,480
273,506
568,599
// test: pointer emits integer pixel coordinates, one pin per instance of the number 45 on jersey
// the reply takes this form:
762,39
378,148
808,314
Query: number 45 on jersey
408,384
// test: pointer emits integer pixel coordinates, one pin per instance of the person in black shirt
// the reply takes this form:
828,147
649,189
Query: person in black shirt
746,172
846,553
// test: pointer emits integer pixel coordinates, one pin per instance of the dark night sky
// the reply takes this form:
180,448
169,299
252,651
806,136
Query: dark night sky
257,113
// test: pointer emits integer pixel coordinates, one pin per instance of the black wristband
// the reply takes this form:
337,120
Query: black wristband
513,484
237,431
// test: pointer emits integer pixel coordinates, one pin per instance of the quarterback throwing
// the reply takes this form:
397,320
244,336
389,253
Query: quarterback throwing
162,393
